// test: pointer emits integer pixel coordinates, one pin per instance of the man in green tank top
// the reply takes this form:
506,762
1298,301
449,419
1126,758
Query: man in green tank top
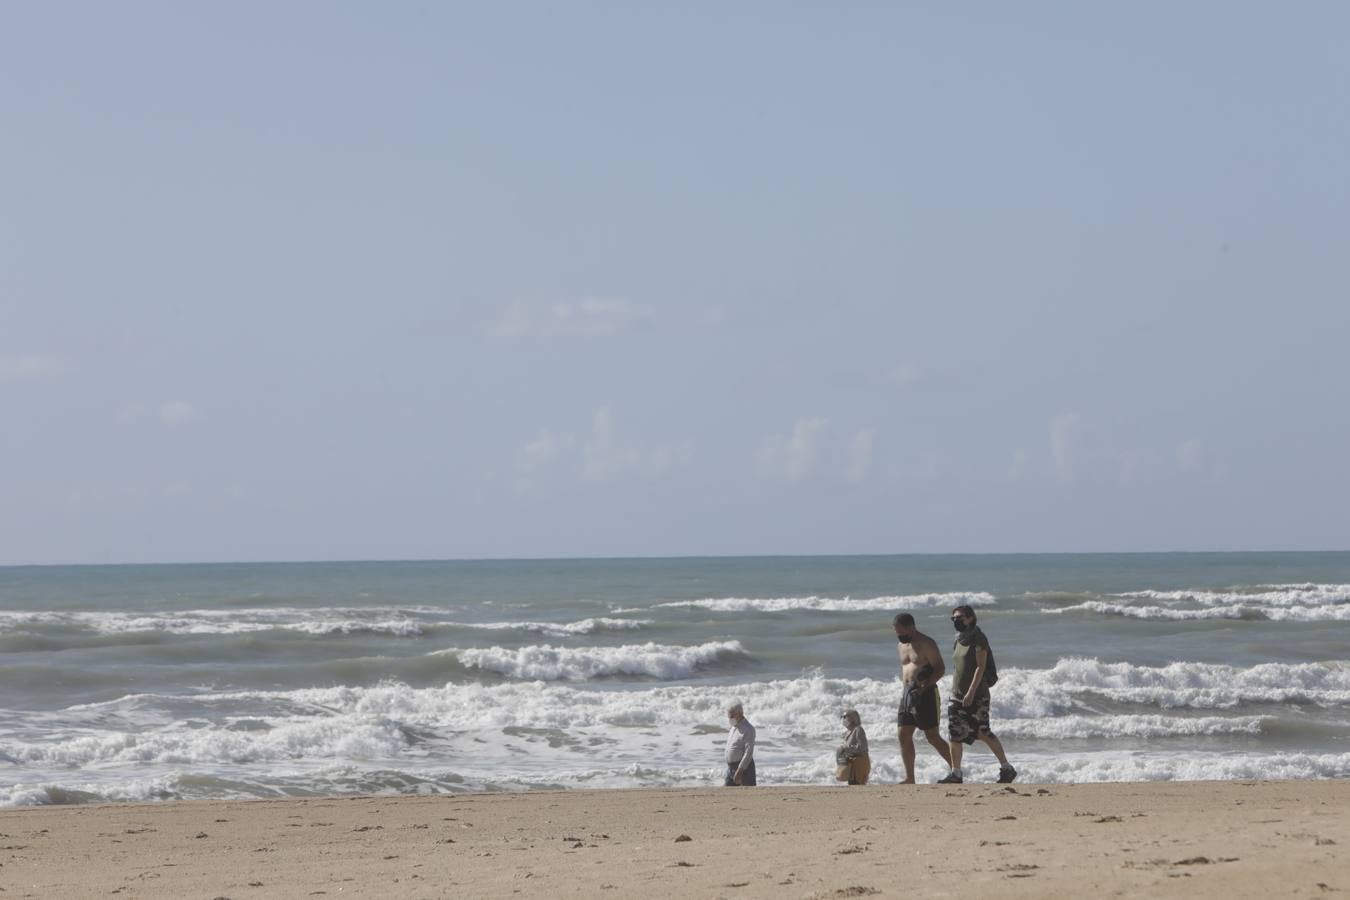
968,711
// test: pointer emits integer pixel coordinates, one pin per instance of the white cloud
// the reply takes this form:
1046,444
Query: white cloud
811,450
31,367
597,316
606,456
591,316
793,457
539,452
1079,451
601,454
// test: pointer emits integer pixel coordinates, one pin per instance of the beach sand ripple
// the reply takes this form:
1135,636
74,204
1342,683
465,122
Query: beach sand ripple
1211,839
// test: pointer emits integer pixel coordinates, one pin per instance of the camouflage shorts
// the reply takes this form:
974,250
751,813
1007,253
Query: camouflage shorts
966,723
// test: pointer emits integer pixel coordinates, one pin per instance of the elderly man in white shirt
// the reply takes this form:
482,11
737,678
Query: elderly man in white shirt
740,749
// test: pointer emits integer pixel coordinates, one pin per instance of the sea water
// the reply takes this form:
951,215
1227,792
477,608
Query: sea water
266,680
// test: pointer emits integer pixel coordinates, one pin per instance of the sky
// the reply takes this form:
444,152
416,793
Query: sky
310,281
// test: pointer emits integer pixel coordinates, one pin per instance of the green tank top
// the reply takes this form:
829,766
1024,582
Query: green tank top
964,664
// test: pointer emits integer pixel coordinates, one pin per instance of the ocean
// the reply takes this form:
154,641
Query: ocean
269,680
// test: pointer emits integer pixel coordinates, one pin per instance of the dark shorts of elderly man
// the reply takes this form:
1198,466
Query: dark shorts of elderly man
740,753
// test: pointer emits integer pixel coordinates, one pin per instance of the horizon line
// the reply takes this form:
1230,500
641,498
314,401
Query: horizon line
648,558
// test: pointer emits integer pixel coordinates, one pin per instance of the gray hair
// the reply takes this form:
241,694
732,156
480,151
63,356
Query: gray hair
735,707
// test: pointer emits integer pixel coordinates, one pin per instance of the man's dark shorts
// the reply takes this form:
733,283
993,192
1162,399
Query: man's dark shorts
918,708
966,723
747,776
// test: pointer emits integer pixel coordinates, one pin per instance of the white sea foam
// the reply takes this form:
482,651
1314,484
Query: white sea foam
396,627
1282,595
1044,692
1278,602
537,733
559,629
1068,727
342,737
1107,767
808,769
62,791
796,706
1151,612
1044,702
548,663
1330,613
318,621
830,604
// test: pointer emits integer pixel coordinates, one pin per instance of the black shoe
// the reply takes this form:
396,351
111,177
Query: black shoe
1006,775
952,778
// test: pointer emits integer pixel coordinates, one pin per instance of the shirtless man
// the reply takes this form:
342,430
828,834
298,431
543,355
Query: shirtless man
920,668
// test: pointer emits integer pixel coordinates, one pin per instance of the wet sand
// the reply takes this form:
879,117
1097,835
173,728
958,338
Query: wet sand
1199,839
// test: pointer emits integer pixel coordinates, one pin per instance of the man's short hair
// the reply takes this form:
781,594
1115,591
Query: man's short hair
735,707
967,611
904,619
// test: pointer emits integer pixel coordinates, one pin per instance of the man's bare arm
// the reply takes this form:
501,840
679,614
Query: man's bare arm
927,654
935,660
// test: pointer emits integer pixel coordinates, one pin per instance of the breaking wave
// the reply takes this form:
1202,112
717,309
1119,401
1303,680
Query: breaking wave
830,604
1237,611
1255,595
1276,603
321,621
396,737
560,629
1044,692
548,663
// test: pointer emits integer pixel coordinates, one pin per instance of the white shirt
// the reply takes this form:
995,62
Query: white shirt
741,744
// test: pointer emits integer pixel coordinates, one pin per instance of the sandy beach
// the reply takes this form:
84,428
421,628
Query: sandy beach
1207,839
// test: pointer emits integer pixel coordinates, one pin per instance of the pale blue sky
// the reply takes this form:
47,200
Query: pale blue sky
325,281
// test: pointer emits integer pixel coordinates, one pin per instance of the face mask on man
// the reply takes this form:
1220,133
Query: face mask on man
904,638
958,625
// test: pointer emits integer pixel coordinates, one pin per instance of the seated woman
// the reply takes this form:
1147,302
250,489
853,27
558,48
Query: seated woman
855,765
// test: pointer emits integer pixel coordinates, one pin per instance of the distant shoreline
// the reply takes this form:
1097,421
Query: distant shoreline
997,554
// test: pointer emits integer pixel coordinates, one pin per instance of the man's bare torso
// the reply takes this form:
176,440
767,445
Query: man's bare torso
921,650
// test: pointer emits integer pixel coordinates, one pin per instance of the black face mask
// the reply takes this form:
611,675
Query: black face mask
958,625
904,638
